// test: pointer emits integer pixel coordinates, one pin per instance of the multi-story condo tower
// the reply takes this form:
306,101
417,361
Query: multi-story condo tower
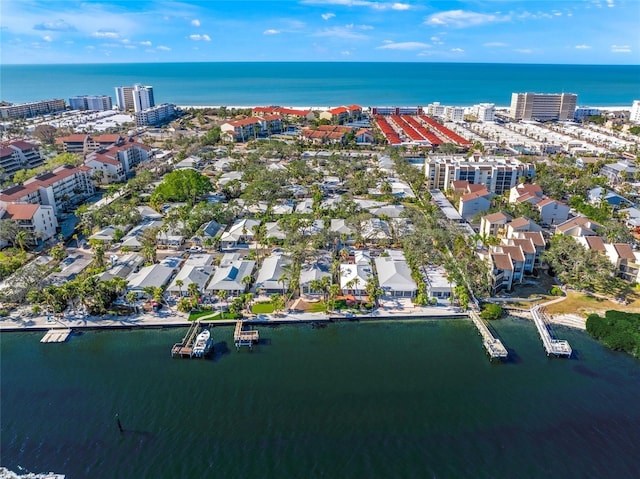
27,110
543,106
91,102
136,98
635,112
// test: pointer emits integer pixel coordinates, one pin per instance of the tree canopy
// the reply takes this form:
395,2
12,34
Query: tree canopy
181,185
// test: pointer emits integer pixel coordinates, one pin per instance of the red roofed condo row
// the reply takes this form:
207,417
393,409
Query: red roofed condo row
18,155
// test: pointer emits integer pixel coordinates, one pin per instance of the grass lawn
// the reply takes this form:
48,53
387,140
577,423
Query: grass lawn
580,303
262,308
212,315
318,307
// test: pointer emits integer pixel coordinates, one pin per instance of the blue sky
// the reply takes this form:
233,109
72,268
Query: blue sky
512,31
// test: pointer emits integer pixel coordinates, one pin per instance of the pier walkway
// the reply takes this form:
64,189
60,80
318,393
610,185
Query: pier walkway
244,338
185,347
553,346
56,335
493,345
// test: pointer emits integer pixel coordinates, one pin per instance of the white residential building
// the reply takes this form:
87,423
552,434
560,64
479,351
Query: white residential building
91,102
635,112
394,275
39,221
18,155
543,106
155,115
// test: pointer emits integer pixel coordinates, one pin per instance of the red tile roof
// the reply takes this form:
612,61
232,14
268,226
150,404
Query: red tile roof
23,145
20,211
76,138
502,261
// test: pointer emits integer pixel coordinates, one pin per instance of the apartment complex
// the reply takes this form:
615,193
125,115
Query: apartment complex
155,115
134,98
497,175
635,112
91,102
18,155
34,108
61,188
83,143
117,161
39,221
543,106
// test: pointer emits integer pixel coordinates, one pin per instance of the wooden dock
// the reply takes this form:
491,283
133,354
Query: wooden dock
493,345
184,348
56,335
552,346
243,337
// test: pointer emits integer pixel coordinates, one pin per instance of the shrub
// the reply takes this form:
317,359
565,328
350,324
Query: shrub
557,291
491,311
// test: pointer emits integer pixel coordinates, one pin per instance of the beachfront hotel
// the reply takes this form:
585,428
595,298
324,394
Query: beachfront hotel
543,106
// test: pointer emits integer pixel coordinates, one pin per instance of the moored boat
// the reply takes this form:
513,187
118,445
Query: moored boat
202,344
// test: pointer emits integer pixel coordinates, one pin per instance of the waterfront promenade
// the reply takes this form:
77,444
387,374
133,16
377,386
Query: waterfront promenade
23,320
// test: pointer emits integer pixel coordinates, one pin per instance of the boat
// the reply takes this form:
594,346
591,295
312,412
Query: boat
202,345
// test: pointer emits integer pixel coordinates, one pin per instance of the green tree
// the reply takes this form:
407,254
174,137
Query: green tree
181,185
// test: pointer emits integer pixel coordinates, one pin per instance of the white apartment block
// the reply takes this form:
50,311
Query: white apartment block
484,111
435,109
39,221
498,175
18,155
91,103
136,97
62,188
454,113
117,161
34,108
635,112
543,106
155,115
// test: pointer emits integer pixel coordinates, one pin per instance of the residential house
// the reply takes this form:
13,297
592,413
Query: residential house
597,195
625,260
578,226
272,276
472,204
525,192
315,270
439,285
552,212
188,274
240,233
521,224
229,275
494,224
622,170
394,275
154,276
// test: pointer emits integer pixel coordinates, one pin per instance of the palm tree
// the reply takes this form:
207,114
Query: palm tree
192,290
222,294
21,239
246,281
179,284
98,256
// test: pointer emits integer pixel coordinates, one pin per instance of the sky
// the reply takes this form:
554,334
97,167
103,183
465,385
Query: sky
487,31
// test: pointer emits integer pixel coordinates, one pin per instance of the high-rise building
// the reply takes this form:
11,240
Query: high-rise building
543,106
91,102
34,108
136,98
155,115
635,112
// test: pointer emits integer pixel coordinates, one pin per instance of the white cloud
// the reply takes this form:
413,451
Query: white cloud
327,16
272,31
341,32
361,3
610,3
461,19
523,50
106,34
404,46
197,37
495,44
47,38
457,50
131,47
345,53
57,26
365,27
195,22
436,41
146,43
620,49
582,47
163,48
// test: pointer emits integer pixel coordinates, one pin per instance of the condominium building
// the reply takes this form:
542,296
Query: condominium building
543,106
155,115
498,175
34,108
635,112
117,161
91,102
136,97
484,111
39,221
18,155
62,188
454,113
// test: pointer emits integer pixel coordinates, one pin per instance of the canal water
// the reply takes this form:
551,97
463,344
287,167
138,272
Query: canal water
415,399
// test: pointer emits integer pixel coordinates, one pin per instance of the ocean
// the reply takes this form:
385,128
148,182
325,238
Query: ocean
410,399
325,84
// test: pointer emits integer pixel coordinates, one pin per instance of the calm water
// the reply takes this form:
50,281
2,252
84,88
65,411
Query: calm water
412,399
321,84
